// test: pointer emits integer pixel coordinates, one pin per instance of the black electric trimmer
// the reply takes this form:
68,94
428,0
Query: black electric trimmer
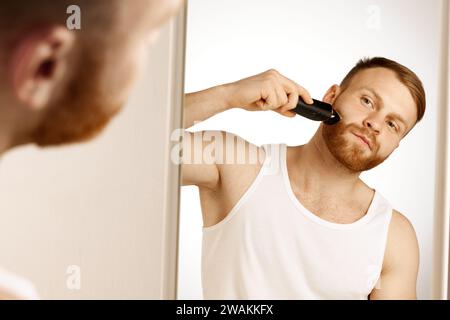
318,111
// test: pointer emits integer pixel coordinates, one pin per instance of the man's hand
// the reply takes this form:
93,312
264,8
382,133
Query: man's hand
269,90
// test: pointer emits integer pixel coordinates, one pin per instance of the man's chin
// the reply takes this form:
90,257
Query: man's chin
359,162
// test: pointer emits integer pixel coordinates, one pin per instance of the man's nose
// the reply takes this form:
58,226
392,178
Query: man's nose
373,123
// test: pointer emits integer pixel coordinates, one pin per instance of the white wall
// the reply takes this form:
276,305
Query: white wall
99,205
315,43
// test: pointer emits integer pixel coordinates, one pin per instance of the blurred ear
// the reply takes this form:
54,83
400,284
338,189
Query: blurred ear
38,64
331,94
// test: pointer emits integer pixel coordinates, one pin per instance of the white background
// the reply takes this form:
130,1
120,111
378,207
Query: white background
315,43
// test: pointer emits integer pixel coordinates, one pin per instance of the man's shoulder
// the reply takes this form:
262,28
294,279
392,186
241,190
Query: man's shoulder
402,244
401,226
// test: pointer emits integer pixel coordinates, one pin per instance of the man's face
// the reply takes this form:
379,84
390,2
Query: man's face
108,71
377,111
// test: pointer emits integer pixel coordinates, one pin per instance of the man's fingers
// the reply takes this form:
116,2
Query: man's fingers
305,95
274,98
276,92
291,87
289,113
268,99
286,113
260,104
292,101
282,97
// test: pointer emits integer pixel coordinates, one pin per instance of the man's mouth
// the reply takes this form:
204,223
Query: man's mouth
364,139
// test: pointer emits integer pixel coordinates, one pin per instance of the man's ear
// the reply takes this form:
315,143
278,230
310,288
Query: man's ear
38,63
331,94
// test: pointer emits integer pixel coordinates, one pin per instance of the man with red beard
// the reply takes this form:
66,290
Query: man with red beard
300,223
61,86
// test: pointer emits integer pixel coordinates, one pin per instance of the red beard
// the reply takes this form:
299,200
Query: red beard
354,155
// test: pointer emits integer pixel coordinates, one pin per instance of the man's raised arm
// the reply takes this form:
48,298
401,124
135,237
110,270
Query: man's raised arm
265,91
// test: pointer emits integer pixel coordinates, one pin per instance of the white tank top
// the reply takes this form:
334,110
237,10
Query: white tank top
270,246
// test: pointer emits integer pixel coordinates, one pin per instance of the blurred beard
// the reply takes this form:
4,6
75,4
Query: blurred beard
82,113
351,154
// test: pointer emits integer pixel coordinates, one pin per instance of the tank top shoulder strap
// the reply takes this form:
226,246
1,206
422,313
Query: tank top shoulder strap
382,206
273,158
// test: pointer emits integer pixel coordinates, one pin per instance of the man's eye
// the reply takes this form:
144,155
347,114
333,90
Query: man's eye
365,101
392,125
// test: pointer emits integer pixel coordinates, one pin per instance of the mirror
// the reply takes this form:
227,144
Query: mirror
315,44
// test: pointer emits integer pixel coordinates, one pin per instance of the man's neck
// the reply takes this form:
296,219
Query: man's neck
320,173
